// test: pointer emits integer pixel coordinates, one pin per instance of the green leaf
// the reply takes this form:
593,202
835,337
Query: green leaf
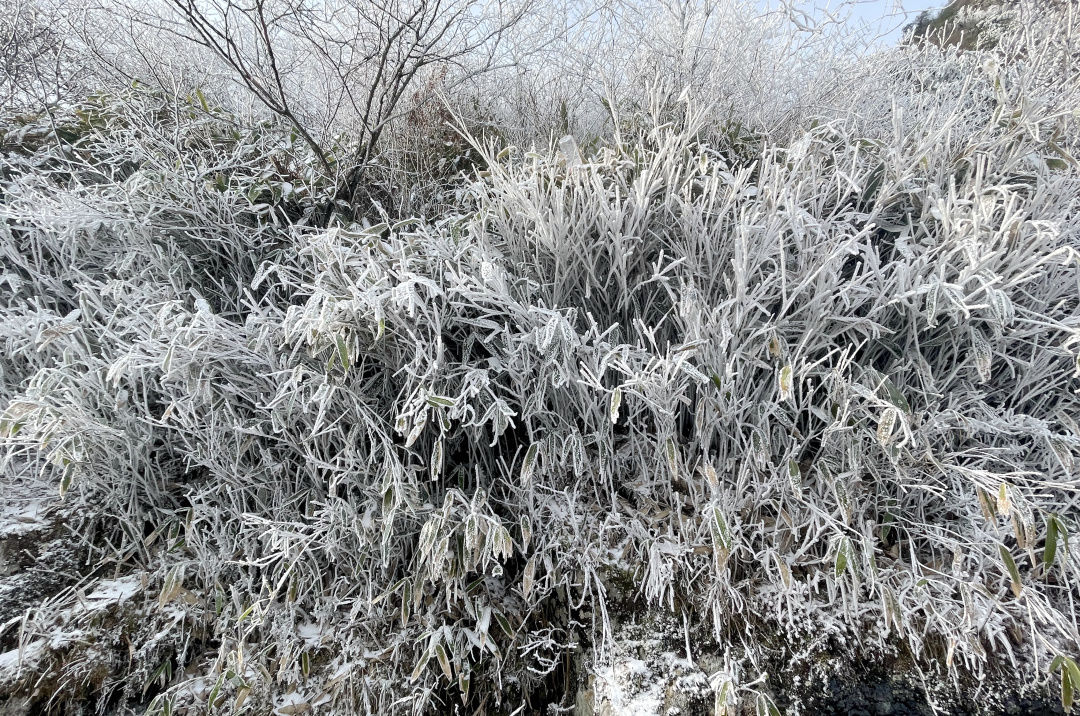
444,661
988,505
841,562
672,458
463,685
441,401
723,533
343,353
795,475
1014,573
895,396
528,577
765,707
1066,691
1074,671
1050,550
529,463
503,623
66,478
215,692
420,665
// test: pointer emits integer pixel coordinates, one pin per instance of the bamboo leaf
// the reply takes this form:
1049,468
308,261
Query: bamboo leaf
1066,691
1050,549
444,661
343,352
436,460
616,401
672,458
786,382
1014,573
420,665
840,563
529,463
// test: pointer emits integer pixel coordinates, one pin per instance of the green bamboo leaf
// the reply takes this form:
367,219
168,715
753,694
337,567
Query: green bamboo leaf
795,476
66,478
1050,550
376,230
503,623
723,532
526,532
343,353
420,665
1014,573
463,685
1074,671
895,396
1066,691
672,458
840,563
444,661
528,578
529,463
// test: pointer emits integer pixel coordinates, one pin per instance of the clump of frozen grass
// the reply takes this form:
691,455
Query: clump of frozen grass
829,389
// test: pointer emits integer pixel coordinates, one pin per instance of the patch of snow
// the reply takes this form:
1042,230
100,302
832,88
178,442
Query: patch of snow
294,703
631,688
312,634
12,662
109,591
25,507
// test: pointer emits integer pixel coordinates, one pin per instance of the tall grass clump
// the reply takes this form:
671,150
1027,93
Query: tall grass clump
819,387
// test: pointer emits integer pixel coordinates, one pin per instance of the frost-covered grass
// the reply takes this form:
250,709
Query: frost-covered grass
825,388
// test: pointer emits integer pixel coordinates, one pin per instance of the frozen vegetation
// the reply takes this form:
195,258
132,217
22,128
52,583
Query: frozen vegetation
421,356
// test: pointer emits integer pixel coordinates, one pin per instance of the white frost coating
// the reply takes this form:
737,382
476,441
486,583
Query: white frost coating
809,370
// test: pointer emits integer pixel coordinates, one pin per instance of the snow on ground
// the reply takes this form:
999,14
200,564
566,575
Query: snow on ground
25,506
640,677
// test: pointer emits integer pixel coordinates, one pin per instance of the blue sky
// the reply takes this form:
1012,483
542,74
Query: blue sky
879,10
885,15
